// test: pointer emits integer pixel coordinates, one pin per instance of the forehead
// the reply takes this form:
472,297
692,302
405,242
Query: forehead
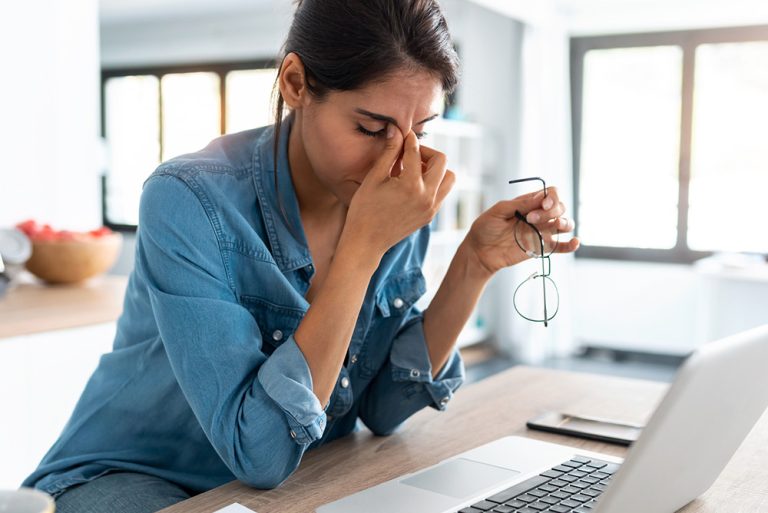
405,96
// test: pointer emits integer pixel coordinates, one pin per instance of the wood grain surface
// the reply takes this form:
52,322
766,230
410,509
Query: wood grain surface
479,413
34,307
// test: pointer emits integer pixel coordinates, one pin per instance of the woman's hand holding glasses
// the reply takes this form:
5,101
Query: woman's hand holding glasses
492,235
529,226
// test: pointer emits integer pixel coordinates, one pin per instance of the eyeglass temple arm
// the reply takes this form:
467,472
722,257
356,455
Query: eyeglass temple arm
543,183
544,289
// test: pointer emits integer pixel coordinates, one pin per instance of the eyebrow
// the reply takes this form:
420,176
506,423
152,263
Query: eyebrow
382,117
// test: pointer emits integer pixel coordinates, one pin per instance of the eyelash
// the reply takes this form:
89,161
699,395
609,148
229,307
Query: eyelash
362,130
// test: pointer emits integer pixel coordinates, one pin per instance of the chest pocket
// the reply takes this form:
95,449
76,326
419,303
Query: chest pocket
393,300
276,322
400,292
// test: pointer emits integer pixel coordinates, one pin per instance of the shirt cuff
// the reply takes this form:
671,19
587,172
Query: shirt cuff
410,362
286,379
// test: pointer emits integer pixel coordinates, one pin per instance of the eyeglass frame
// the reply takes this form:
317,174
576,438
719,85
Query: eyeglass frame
545,269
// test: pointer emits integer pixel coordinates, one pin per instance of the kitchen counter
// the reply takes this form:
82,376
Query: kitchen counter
34,307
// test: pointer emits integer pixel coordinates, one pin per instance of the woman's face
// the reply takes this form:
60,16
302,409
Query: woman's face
345,134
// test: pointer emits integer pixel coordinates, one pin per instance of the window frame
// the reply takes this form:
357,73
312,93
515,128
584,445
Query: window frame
220,68
688,41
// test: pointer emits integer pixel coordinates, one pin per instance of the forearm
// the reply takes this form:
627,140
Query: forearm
452,305
324,334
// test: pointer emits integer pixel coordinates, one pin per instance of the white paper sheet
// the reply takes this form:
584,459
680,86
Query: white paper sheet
235,508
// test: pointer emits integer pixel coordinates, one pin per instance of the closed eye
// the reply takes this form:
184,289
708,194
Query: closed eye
382,132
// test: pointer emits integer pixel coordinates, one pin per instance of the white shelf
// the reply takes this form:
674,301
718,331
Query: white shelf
462,143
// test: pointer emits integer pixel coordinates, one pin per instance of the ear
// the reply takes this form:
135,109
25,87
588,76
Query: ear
292,82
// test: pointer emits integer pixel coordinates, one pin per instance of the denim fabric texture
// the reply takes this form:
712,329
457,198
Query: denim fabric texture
126,492
205,382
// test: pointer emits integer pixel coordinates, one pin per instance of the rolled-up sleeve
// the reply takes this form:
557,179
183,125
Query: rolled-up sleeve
404,385
286,378
259,413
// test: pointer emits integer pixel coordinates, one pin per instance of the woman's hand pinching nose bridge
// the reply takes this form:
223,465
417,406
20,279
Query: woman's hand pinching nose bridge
408,183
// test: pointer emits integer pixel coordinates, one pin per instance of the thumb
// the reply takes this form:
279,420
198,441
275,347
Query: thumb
383,166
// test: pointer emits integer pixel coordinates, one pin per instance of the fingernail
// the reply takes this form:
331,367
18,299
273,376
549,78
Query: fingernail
390,131
547,204
533,218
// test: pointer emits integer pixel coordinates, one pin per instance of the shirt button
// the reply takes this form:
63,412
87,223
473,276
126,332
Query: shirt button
443,401
353,359
277,335
398,302
415,373
344,382
293,433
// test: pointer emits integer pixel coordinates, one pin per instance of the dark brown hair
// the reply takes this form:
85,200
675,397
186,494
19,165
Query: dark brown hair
347,44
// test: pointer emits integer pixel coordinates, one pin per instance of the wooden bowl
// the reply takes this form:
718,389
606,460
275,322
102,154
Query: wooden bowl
73,261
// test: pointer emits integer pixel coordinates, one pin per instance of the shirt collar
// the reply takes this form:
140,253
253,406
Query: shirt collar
284,228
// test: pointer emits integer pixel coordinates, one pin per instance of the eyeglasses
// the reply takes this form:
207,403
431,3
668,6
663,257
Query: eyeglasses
537,242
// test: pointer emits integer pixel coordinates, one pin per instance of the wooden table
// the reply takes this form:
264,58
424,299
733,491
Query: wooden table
34,307
478,414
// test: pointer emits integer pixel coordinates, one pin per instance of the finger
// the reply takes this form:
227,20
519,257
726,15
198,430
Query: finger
397,167
427,152
523,204
559,224
449,178
569,246
411,158
550,199
436,167
565,225
556,210
383,165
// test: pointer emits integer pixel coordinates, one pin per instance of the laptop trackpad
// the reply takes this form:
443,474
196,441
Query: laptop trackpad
460,478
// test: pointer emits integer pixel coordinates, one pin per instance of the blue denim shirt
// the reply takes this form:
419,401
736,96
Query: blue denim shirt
205,382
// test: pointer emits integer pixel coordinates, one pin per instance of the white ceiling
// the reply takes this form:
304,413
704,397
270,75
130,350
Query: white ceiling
580,15
130,10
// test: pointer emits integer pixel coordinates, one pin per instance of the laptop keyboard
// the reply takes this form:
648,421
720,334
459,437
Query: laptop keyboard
572,487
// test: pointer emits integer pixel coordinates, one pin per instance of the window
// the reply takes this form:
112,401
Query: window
152,115
670,162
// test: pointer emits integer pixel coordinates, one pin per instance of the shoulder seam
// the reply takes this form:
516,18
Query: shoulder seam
213,219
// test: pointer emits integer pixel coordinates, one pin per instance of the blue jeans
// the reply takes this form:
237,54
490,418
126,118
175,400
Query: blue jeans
126,492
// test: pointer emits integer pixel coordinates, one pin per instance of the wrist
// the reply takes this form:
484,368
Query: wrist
475,269
357,253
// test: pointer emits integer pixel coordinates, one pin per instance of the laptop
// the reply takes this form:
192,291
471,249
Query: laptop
717,397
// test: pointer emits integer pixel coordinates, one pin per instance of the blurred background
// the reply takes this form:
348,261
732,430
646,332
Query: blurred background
650,116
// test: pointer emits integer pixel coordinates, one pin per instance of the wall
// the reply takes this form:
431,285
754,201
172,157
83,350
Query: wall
589,17
635,306
49,98
243,34
665,308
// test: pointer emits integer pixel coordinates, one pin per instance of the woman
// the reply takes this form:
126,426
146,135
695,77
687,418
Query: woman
272,301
